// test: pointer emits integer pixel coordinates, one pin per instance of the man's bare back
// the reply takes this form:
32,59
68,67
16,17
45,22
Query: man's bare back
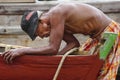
82,18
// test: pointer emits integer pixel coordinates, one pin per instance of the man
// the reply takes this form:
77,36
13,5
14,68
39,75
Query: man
60,23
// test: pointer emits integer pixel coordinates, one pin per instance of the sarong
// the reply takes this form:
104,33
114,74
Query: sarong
110,67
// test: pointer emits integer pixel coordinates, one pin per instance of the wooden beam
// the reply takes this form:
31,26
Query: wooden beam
11,30
108,7
18,9
6,47
15,1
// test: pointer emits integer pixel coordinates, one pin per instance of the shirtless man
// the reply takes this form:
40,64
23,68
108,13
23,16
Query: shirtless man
60,23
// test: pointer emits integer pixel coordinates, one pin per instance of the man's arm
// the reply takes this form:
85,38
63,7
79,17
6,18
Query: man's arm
56,36
71,42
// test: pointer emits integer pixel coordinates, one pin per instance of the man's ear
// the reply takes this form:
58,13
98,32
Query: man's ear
44,24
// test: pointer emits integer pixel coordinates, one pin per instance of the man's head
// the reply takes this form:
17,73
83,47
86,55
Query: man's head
30,21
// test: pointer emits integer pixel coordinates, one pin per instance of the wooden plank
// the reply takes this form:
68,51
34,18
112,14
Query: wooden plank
7,47
18,9
4,1
108,7
11,30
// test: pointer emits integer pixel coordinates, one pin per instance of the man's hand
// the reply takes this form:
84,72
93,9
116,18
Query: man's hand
8,56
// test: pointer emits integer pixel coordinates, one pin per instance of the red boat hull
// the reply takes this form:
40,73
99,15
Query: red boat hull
44,68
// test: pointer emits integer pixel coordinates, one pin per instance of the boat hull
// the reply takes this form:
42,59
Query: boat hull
44,68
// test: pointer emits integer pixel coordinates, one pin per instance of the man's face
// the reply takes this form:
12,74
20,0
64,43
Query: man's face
43,30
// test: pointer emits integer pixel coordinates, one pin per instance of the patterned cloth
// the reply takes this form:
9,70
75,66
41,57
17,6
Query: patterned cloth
110,67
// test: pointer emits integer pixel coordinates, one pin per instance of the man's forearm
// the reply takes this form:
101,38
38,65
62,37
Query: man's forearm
39,51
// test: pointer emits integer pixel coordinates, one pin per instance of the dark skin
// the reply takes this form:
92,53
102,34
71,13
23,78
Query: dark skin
60,23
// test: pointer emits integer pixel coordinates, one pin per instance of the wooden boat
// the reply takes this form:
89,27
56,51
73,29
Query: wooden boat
30,67
72,67
44,67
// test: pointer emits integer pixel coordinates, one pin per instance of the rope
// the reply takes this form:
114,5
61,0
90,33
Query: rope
62,61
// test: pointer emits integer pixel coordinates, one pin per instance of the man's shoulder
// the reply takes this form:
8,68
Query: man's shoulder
58,9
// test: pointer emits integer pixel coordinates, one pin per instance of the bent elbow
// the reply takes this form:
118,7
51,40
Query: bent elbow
77,45
54,51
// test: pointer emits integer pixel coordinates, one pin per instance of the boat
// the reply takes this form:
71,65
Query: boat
31,67
34,67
